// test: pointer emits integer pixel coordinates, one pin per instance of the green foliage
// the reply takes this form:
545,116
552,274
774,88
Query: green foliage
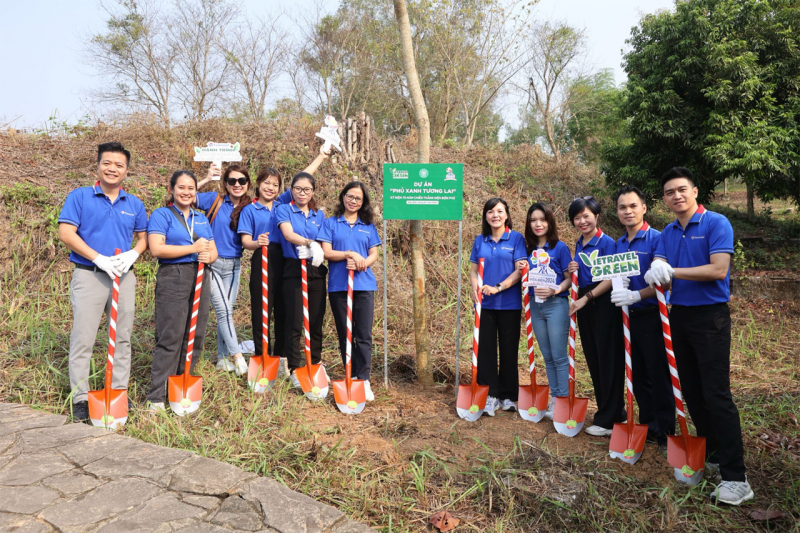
596,120
20,193
713,86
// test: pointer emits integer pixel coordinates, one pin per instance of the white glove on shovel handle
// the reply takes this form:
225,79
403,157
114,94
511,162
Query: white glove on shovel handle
318,256
623,297
124,261
660,273
104,263
303,252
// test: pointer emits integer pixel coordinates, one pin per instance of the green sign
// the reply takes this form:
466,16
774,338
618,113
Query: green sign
419,191
612,266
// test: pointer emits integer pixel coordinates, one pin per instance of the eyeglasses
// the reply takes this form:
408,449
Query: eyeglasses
355,199
303,190
234,181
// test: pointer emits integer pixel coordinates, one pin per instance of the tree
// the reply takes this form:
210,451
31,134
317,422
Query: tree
137,54
424,367
713,86
596,120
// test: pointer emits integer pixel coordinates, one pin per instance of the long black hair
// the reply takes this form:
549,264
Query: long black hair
531,240
174,180
312,204
365,211
486,230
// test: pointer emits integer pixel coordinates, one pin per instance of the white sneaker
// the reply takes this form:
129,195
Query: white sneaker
733,492
492,405
295,381
240,367
550,407
508,405
368,391
225,365
597,431
155,407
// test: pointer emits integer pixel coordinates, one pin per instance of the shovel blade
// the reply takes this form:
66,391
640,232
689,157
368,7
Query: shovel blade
314,381
627,443
687,455
532,402
262,372
116,416
184,401
468,406
349,401
569,422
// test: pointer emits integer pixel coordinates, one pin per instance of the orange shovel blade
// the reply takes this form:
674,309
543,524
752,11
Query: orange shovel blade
687,455
569,422
532,402
352,401
262,372
627,443
118,412
471,407
313,381
183,402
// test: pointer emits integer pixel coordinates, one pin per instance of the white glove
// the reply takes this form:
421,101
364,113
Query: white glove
104,263
303,252
317,253
623,297
660,273
626,282
125,260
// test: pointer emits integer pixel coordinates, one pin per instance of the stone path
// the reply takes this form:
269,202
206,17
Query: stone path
75,477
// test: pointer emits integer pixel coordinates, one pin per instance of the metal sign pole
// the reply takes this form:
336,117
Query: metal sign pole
458,305
385,314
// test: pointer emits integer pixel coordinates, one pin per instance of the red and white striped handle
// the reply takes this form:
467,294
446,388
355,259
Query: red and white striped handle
673,365
264,302
112,328
573,295
306,327
198,288
476,330
349,349
626,330
526,298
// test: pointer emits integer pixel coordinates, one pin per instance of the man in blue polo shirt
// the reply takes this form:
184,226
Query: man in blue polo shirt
652,384
94,221
695,255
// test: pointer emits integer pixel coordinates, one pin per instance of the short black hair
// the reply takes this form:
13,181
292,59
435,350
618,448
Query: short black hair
579,204
677,172
113,147
625,189
486,229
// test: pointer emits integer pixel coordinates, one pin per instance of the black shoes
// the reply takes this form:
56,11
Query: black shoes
80,411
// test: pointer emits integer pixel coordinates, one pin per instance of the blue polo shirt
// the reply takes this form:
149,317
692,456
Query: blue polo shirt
275,234
307,227
644,244
102,224
705,234
559,261
601,242
255,219
163,222
229,243
499,258
359,238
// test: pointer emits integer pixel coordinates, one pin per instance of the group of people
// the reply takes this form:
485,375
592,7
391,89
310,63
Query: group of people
214,228
691,257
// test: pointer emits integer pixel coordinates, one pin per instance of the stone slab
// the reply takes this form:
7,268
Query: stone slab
72,482
203,527
22,524
239,514
54,437
31,468
288,511
141,460
206,502
201,475
21,420
156,513
83,453
26,500
351,526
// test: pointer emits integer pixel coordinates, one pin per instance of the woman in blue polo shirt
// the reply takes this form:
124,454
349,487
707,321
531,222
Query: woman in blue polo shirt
170,234
599,321
501,250
550,317
225,272
300,222
350,242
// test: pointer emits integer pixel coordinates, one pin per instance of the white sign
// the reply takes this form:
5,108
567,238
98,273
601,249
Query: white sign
541,275
217,153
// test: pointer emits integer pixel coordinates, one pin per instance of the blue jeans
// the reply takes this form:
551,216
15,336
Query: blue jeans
550,321
224,288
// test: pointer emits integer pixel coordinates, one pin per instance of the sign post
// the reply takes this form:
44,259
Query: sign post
422,191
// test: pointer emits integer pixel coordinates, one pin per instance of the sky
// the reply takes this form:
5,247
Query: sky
43,73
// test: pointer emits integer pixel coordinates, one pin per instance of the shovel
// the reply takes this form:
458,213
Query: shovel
685,453
108,408
627,439
471,400
185,390
313,379
262,370
348,392
532,402
569,413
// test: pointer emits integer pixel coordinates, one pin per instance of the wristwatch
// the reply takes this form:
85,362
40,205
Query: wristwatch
499,287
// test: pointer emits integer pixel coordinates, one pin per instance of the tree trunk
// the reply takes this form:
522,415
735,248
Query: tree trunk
751,200
424,367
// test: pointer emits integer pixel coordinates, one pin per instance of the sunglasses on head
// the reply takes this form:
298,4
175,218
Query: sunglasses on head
234,181
583,198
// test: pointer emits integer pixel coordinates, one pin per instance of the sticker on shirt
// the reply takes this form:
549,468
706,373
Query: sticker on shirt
614,266
541,275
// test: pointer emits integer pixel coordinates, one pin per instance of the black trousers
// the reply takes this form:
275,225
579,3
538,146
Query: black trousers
652,385
701,339
600,326
277,313
363,314
293,305
174,296
499,329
